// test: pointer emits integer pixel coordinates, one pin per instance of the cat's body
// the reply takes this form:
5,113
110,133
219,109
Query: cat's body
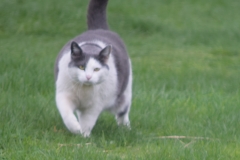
93,74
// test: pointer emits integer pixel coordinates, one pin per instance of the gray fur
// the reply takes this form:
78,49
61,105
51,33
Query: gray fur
98,30
96,17
120,114
80,58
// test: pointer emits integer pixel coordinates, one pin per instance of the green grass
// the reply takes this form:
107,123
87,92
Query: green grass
186,68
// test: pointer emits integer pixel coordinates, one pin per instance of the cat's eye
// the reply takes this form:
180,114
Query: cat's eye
81,67
96,69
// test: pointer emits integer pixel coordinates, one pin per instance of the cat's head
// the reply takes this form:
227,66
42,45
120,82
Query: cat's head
89,63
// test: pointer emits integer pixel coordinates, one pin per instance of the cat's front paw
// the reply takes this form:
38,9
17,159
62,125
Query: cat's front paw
75,129
86,133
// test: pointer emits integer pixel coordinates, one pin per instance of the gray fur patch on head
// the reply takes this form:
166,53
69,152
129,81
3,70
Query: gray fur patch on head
81,53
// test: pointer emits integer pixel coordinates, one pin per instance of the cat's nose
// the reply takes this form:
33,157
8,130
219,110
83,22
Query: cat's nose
88,77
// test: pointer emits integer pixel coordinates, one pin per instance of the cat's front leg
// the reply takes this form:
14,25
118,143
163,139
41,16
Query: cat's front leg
87,120
66,108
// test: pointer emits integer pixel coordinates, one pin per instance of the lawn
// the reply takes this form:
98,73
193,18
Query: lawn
186,89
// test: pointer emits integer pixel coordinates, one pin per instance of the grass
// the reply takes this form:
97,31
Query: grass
186,68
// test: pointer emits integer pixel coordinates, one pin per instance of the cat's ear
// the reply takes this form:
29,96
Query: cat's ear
104,54
76,51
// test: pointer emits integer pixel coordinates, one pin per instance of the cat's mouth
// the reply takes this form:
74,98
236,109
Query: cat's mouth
88,83
91,83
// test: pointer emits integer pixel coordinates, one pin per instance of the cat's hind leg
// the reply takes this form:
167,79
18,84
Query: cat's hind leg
122,117
124,104
66,108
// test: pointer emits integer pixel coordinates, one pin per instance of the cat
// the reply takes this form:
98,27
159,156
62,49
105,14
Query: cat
93,74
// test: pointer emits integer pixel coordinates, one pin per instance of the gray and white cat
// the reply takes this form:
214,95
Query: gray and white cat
92,74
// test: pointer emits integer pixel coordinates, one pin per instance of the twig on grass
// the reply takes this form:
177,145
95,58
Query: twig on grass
69,145
73,145
188,144
185,137
179,138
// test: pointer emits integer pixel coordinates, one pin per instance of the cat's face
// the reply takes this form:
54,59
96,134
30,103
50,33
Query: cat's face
89,69
92,73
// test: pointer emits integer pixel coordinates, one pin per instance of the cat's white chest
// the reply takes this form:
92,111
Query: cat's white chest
98,96
85,96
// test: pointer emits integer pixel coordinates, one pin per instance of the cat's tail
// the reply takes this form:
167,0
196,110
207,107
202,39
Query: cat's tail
96,17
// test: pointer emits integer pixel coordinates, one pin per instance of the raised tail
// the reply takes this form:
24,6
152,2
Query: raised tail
96,17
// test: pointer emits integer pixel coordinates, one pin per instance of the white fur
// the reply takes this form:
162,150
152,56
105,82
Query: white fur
97,42
88,98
